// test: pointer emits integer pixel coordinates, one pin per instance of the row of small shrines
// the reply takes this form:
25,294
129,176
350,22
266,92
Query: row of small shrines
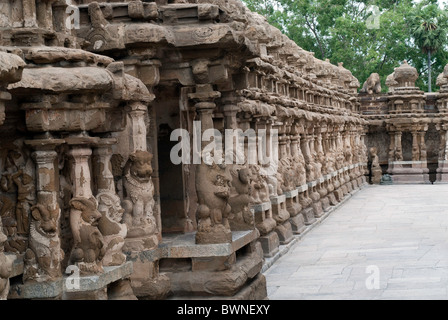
64,207
80,199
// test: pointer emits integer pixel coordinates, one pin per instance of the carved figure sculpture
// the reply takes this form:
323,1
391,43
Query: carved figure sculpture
241,218
110,226
260,189
288,174
441,80
273,180
43,257
213,190
372,84
5,266
25,199
140,195
376,168
391,82
14,243
88,242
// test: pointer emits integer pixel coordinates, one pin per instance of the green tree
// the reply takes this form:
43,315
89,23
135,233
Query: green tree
338,30
428,25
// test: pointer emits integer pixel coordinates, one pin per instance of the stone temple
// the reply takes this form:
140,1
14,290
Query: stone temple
92,98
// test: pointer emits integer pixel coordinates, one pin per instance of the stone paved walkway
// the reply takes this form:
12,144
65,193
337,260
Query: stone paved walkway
386,242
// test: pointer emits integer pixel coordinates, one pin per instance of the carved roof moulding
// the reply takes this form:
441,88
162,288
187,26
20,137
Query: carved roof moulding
11,68
56,70
51,55
175,26
70,90
256,108
63,80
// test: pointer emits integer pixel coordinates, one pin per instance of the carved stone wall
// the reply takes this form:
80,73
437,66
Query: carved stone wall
94,95
406,126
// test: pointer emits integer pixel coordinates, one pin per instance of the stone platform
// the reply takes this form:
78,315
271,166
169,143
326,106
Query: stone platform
69,287
396,232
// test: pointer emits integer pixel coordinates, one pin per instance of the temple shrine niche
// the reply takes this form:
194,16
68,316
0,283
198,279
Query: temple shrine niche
411,123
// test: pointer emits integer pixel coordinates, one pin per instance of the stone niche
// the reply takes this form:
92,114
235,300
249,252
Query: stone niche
406,126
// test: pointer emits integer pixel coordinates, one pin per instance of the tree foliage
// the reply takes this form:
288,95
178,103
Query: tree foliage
341,30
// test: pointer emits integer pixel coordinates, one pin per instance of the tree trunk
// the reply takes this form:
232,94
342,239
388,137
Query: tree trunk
429,72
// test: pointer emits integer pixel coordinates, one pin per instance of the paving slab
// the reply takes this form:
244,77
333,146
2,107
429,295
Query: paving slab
386,242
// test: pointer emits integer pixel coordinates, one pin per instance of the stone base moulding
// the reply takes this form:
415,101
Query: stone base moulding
442,172
73,287
213,270
409,172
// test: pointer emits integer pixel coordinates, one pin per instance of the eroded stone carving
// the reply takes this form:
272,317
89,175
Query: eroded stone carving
139,188
375,167
111,228
88,242
260,188
372,84
240,217
5,266
83,99
406,75
213,189
43,257
391,83
25,199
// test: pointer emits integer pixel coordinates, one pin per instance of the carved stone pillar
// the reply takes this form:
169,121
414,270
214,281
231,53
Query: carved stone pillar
443,148
109,204
283,159
88,244
102,168
339,155
325,153
363,156
5,263
347,147
415,146
313,153
398,147
298,165
304,197
42,261
44,13
341,146
298,160
138,132
81,176
442,170
230,111
309,164
283,206
28,11
422,146
240,217
212,180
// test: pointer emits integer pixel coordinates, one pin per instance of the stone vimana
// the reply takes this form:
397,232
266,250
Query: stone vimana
91,93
